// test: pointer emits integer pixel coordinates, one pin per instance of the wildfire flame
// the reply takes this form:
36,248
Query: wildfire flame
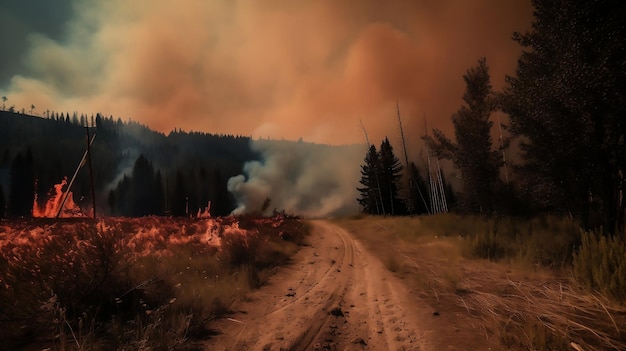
206,212
50,209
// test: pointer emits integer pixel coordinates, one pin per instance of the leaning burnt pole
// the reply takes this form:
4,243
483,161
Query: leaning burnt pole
69,186
93,192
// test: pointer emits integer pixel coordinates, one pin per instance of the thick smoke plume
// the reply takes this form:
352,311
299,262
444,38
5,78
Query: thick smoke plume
301,178
276,68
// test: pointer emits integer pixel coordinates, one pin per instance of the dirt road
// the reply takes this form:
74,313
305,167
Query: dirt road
335,296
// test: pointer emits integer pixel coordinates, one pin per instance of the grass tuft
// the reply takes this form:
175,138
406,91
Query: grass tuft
600,265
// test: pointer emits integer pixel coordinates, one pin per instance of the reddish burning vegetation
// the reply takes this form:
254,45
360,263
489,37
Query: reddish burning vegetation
57,197
111,283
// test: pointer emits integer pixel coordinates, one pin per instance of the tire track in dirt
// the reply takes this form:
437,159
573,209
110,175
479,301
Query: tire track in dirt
334,295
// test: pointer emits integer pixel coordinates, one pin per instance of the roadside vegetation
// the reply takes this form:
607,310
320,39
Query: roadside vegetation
144,283
540,264
532,284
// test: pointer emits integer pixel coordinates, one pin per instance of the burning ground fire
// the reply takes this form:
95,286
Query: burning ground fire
27,240
130,267
143,236
52,205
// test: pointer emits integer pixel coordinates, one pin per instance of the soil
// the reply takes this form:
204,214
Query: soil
334,296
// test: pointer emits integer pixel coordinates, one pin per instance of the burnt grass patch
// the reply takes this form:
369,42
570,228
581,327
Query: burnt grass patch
138,283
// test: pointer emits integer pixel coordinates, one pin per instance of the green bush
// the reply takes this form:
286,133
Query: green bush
600,264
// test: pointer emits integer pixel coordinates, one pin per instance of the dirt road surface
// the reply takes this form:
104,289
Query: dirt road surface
334,296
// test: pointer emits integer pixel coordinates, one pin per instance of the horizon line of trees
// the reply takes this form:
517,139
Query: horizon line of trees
37,153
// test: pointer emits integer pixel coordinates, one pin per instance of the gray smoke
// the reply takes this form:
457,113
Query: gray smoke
310,180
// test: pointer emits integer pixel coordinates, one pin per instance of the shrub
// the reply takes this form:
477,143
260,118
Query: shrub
600,264
544,241
488,245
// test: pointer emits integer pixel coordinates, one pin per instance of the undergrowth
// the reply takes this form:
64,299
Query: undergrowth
86,285
540,242
600,264
559,288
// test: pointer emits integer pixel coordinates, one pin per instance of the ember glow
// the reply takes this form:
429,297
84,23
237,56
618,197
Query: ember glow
52,205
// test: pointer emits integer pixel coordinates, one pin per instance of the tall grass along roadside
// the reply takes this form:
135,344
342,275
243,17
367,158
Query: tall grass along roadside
538,284
146,283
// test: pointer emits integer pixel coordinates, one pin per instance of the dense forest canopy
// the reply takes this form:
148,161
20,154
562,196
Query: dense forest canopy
136,171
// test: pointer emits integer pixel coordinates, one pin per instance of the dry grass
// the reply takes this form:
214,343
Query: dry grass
549,316
523,297
600,264
149,283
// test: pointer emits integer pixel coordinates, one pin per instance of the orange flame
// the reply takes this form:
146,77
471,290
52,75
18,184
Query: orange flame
50,209
206,212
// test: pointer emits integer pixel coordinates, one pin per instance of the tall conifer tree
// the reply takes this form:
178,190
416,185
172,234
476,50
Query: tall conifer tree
472,152
568,101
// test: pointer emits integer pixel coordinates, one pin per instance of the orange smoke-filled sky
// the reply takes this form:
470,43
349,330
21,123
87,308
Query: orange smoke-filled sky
275,68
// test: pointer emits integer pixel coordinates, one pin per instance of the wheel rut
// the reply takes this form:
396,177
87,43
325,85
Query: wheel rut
335,296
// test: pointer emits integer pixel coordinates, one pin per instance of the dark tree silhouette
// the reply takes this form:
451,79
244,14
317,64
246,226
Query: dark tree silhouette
111,201
390,175
369,197
380,176
472,153
158,195
22,188
568,102
419,190
180,196
207,161
142,188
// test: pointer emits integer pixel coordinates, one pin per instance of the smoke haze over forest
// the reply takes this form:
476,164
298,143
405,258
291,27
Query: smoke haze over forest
307,179
280,68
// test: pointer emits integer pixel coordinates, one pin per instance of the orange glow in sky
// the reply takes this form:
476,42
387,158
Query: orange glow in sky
278,68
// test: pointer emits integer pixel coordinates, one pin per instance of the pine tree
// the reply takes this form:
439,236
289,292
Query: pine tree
472,153
369,198
122,197
142,189
568,102
390,175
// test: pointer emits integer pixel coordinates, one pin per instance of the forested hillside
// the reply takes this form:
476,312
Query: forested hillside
136,171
